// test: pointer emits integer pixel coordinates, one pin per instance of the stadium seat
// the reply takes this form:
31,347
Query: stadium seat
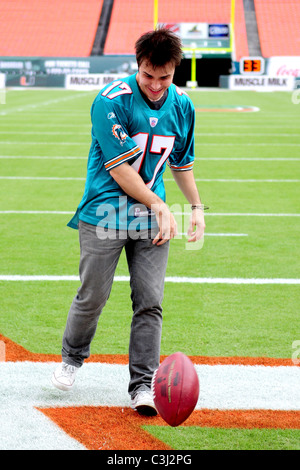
48,28
130,19
278,27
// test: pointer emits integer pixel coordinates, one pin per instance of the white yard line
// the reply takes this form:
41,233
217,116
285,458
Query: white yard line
44,133
219,234
202,180
248,159
242,159
198,134
42,178
40,157
249,144
252,144
169,279
54,142
34,106
220,214
240,180
244,134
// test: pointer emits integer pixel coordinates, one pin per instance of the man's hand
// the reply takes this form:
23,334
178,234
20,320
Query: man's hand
196,226
133,185
166,223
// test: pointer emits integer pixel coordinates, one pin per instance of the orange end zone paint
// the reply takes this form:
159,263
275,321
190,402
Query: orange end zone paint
114,428
16,353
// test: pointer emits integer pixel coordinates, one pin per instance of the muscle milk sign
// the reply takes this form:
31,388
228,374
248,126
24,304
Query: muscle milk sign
261,83
93,81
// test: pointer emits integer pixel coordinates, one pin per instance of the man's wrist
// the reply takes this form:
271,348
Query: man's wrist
200,207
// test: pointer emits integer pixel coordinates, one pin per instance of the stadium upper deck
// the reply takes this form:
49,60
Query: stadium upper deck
67,28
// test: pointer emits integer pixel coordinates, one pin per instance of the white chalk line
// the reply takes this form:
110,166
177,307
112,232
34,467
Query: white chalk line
35,106
248,144
168,180
198,134
74,133
40,157
234,159
217,214
169,279
12,142
252,144
245,134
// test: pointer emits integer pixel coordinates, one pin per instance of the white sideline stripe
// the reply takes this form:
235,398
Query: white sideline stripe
240,214
37,212
203,180
245,126
238,134
253,180
219,234
206,134
243,159
43,103
180,280
218,214
60,125
16,142
42,178
53,133
38,157
234,159
288,144
262,144
26,386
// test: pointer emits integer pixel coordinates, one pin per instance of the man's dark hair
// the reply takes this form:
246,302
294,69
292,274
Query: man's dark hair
159,47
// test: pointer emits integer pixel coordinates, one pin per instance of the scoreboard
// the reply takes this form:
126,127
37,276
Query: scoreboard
252,66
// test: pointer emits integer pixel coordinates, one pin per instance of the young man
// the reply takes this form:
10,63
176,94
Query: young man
139,124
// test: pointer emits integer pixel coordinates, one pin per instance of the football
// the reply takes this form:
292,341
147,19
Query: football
175,387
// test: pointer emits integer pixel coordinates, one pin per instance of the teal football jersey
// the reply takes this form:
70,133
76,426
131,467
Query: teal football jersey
126,129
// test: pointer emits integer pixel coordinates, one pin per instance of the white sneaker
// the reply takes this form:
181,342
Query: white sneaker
64,376
143,403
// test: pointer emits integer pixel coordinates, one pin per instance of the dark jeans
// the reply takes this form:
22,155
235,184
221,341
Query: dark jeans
99,254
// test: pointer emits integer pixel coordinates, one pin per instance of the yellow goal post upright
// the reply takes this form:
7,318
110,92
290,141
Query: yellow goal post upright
194,51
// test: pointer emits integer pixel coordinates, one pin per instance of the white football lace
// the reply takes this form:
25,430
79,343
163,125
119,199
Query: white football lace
153,383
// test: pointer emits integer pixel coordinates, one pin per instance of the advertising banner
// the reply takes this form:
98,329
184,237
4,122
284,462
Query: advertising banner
2,88
94,81
261,83
284,66
2,80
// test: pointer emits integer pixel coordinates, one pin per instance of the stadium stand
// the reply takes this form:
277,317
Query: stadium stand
48,28
278,26
130,19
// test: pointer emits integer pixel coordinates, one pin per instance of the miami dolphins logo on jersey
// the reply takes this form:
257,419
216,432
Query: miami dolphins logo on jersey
119,133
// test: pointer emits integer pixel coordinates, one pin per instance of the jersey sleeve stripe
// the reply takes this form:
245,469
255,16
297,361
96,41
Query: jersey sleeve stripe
189,166
132,153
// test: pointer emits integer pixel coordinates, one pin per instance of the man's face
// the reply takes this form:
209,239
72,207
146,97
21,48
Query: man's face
154,81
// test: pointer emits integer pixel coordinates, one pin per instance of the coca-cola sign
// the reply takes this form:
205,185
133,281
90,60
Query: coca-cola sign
284,67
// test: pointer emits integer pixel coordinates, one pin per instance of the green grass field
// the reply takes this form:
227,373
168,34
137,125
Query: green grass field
247,170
